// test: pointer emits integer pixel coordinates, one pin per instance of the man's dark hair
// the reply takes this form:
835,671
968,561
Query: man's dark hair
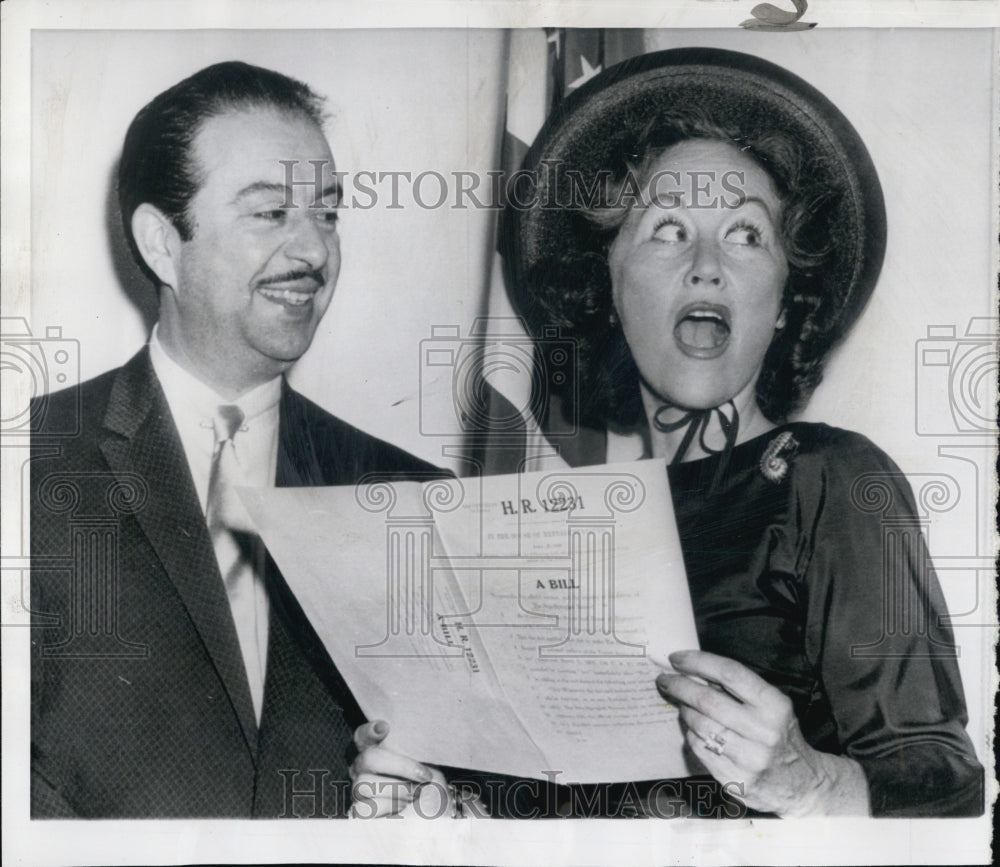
157,165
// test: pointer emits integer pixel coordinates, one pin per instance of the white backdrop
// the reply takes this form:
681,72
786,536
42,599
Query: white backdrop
432,101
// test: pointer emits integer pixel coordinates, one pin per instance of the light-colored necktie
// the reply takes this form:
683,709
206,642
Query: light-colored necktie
239,551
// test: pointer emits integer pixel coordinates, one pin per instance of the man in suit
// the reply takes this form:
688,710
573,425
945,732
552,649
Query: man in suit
173,673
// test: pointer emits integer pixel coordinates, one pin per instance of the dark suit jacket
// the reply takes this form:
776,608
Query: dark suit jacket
140,702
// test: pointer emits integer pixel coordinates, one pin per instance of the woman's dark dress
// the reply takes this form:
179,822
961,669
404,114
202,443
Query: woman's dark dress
813,573
809,568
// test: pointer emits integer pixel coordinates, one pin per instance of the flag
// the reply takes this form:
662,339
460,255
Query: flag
518,425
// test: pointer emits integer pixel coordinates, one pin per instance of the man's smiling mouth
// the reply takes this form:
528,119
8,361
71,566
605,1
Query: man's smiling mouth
291,297
291,290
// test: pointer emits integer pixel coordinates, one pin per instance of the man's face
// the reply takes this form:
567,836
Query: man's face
260,269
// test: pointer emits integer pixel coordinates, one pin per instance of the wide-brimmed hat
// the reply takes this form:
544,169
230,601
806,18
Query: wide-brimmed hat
591,129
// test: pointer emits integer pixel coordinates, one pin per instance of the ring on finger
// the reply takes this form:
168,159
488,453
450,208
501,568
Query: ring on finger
715,743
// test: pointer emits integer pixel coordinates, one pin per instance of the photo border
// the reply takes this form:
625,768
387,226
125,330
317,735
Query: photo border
410,841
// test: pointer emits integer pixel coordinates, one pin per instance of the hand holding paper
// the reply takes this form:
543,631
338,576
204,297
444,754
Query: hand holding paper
385,783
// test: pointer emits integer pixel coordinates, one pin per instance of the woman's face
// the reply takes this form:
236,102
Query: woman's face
698,274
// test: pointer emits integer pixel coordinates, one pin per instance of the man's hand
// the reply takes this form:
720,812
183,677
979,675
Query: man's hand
385,783
744,731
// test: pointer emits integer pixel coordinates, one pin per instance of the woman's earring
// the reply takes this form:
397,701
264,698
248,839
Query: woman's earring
781,321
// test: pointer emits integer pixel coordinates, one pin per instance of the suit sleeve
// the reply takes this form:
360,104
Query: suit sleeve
877,629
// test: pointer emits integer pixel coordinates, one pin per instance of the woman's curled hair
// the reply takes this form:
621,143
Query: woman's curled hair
574,292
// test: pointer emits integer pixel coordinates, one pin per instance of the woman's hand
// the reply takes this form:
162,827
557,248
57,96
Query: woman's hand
385,783
744,731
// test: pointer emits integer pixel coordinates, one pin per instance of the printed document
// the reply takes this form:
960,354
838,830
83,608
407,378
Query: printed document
513,624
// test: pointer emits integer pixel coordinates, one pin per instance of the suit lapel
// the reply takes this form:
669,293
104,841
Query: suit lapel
140,437
298,463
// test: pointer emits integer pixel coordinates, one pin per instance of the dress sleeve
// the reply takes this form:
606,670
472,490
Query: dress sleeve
876,633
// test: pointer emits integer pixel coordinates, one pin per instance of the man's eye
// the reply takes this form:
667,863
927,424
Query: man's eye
745,235
327,216
275,215
670,231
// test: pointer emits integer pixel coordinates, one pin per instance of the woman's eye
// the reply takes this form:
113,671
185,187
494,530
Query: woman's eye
748,236
670,231
327,217
275,215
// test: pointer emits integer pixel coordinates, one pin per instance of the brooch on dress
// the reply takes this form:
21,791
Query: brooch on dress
774,461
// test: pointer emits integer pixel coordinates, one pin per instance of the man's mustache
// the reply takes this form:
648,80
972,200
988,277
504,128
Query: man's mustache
294,276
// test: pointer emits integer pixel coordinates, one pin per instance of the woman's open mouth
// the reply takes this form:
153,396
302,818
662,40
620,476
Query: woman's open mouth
703,329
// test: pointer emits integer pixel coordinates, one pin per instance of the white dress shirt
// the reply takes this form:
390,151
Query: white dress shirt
193,405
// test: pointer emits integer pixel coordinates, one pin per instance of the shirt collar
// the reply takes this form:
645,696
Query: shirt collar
184,388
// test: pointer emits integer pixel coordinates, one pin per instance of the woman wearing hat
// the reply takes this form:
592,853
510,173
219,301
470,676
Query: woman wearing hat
707,226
